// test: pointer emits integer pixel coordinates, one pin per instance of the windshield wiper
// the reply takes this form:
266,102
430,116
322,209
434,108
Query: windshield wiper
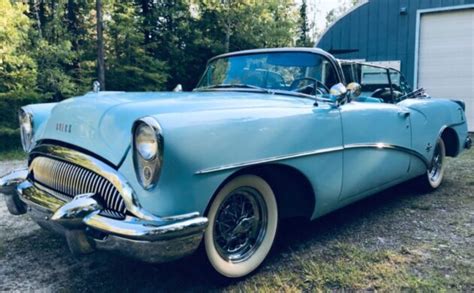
236,85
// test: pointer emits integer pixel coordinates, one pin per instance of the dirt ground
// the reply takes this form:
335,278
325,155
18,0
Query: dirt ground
396,240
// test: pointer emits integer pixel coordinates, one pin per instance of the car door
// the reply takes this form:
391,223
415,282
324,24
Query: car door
375,137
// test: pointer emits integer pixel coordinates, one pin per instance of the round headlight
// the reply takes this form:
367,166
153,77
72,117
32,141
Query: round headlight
147,151
26,129
146,141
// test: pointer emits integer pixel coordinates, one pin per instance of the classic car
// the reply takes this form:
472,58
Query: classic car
267,134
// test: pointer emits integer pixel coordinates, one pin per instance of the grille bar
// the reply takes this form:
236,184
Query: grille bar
70,180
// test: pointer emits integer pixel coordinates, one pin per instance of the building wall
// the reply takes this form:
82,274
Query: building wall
380,31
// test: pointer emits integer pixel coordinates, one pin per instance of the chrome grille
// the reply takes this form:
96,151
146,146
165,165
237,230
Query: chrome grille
70,180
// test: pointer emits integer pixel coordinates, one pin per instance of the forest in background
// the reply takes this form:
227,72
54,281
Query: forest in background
48,48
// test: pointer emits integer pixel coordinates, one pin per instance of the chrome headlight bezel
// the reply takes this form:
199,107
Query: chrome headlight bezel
147,160
26,129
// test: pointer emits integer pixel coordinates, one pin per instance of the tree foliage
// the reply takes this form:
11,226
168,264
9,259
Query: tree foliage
344,6
48,48
17,67
304,39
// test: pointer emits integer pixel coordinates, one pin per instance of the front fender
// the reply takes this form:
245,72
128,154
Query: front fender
206,140
40,114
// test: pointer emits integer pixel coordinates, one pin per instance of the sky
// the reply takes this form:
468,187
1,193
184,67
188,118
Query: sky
322,7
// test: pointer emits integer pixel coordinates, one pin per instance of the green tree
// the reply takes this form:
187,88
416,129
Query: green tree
60,39
304,39
344,6
130,67
231,25
17,68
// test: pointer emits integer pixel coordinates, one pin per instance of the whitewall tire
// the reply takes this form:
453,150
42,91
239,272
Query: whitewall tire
243,220
435,174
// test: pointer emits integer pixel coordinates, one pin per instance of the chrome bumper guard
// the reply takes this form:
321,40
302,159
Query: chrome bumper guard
160,239
8,184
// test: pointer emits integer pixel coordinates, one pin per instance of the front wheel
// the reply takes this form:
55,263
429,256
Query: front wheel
435,173
243,220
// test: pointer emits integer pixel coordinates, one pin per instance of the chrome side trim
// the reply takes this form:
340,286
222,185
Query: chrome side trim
390,147
100,168
314,153
269,160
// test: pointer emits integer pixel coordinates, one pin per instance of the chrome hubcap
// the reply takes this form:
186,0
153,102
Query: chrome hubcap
240,224
436,165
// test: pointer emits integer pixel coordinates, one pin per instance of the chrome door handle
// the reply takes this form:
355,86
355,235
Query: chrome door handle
404,114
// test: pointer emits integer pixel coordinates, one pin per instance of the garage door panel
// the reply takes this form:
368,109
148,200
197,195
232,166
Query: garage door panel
446,54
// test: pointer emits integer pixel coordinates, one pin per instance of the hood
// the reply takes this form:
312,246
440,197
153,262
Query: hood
102,122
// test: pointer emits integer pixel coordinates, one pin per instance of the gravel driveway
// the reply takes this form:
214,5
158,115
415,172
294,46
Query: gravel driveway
399,239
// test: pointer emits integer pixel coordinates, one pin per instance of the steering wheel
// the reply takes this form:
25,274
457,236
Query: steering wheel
383,93
319,85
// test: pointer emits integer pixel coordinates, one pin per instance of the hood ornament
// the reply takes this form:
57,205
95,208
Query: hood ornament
96,86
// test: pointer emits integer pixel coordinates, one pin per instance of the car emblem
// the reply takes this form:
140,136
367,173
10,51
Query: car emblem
63,127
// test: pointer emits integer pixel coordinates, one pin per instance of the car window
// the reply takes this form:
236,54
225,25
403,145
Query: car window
399,82
348,71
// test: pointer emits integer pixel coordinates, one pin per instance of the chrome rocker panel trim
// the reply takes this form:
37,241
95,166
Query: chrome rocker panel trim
313,153
160,240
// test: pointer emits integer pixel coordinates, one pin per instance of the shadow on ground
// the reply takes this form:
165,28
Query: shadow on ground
36,259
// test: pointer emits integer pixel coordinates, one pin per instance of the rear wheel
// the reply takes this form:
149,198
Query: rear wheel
435,174
243,220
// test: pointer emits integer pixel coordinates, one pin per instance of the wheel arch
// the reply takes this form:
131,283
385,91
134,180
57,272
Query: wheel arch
293,191
451,141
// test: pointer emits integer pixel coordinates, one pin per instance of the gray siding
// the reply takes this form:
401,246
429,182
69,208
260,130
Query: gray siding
379,32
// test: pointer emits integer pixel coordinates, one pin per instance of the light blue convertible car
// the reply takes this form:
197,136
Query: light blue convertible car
267,134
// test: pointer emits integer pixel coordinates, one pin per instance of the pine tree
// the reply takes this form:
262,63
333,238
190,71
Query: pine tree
304,27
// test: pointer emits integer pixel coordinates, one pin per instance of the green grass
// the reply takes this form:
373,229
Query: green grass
345,266
440,261
12,155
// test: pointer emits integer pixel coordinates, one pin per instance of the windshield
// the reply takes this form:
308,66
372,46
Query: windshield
298,72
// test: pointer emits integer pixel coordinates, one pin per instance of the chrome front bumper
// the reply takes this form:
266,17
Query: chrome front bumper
157,239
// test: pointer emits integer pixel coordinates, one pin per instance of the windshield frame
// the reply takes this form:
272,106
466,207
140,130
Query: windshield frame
323,54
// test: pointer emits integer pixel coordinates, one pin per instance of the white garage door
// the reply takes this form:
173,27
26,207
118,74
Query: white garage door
446,56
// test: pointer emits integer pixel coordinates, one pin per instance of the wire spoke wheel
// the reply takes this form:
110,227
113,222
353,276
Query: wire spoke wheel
436,164
240,224
435,173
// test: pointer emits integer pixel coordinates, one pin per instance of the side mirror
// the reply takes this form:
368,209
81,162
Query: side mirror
338,90
355,89
178,88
